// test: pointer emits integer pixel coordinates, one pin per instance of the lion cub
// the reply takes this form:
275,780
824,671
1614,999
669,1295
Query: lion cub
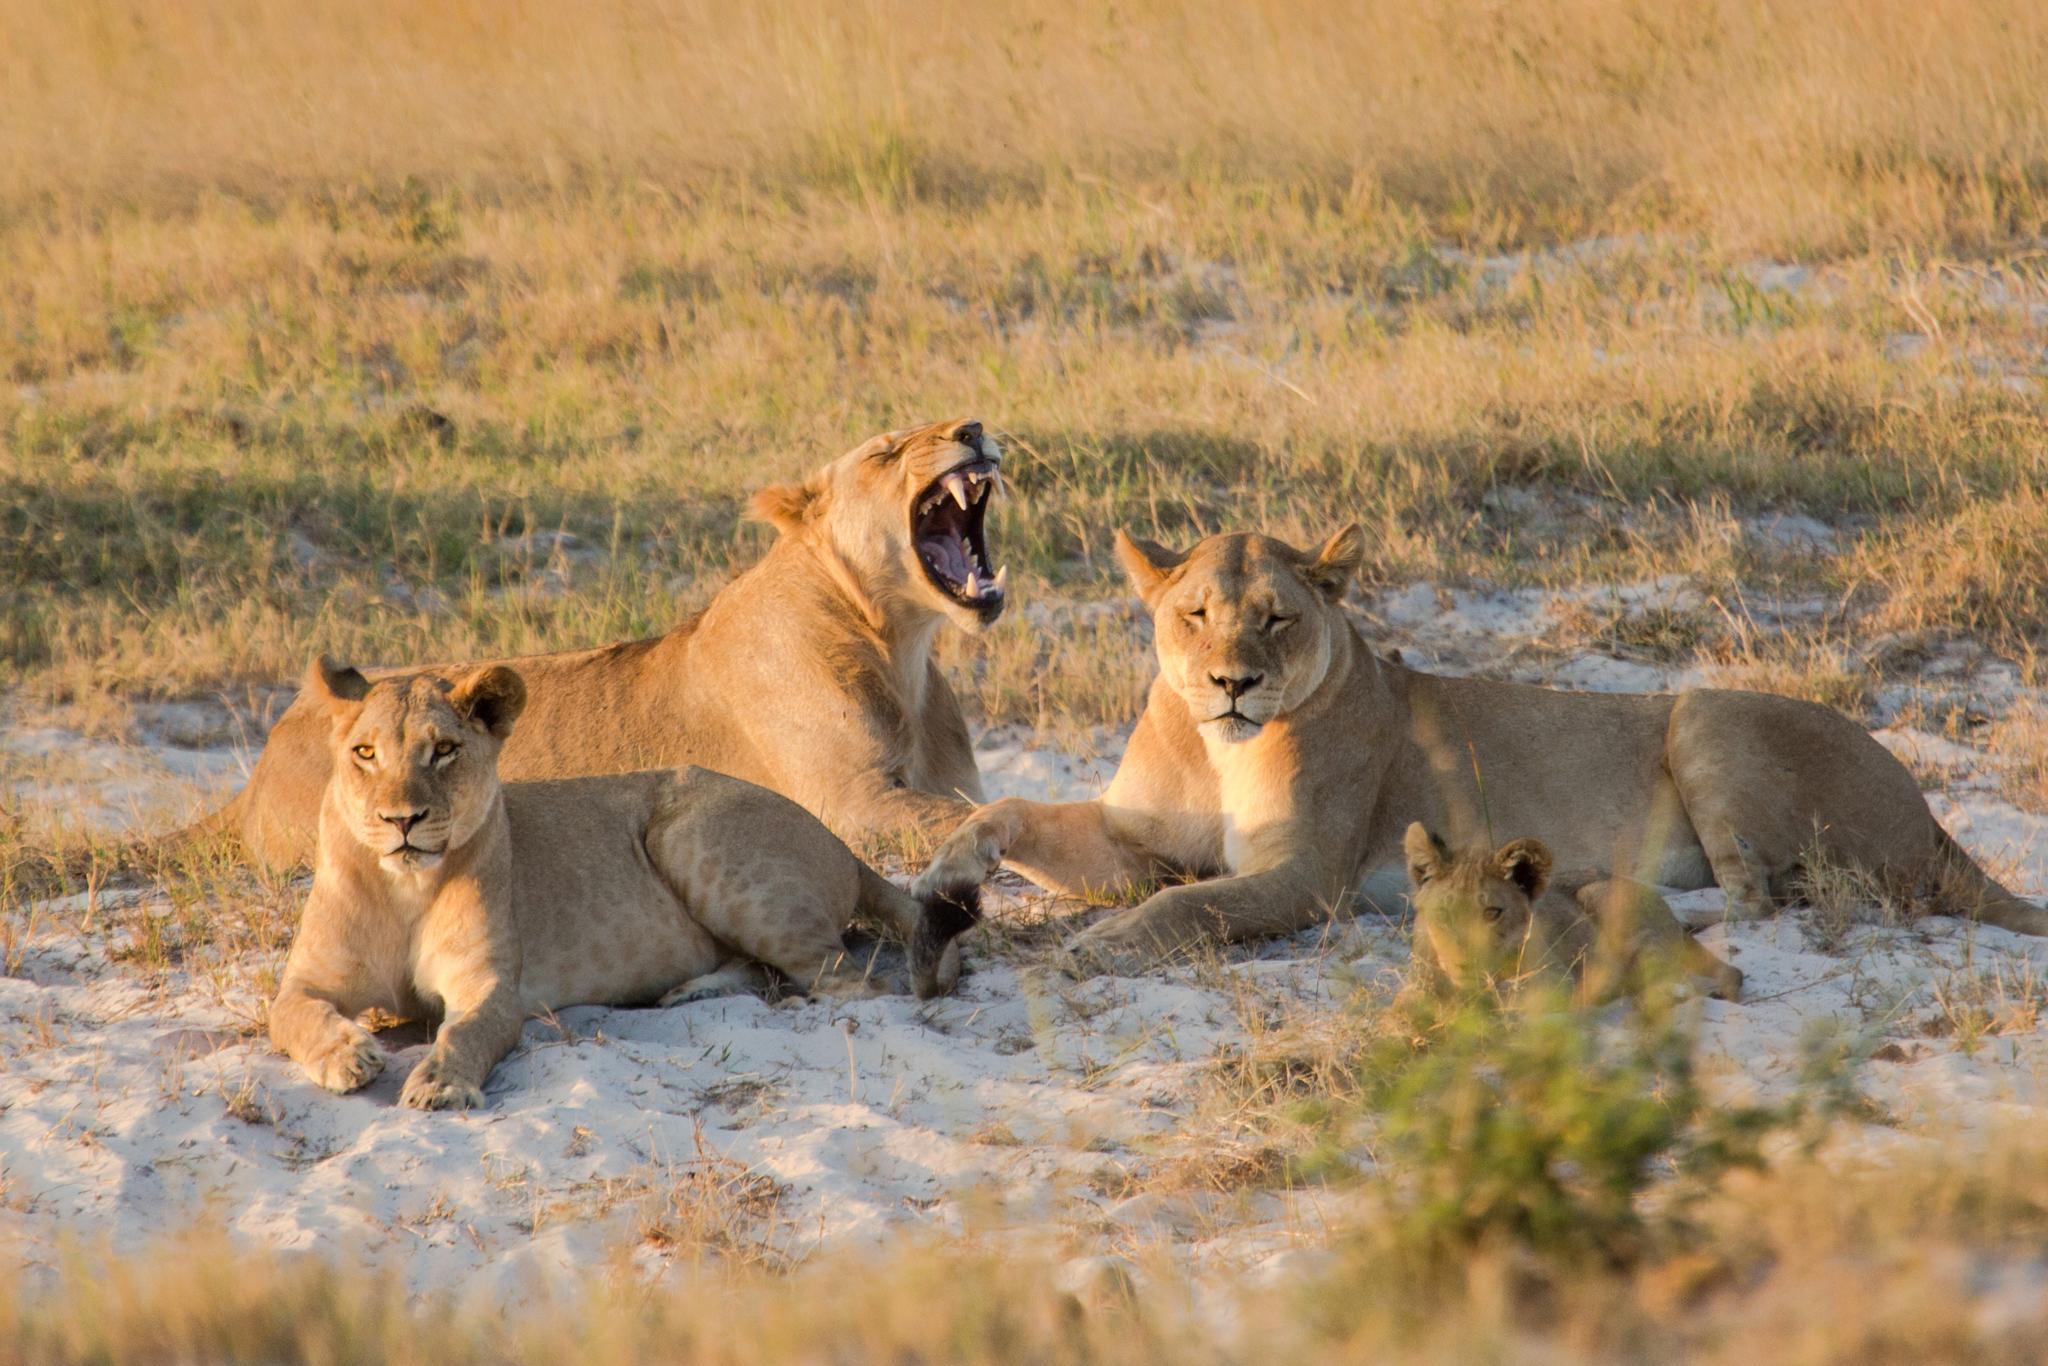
438,890
1499,915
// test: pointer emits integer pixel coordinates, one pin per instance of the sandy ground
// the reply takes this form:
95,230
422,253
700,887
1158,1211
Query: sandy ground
134,1101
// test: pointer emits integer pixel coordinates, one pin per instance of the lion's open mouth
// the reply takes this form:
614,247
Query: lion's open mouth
947,526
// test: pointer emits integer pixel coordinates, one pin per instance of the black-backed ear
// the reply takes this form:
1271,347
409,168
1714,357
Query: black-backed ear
1147,564
1337,562
1526,863
1426,854
784,506
492,697
335,683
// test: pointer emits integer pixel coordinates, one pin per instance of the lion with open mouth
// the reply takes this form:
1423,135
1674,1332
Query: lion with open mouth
810,674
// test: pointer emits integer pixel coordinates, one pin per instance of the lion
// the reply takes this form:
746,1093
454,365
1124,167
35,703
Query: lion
1502,916
810,673
439,890
1279,761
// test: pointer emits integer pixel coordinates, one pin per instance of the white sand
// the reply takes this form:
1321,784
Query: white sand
130,1106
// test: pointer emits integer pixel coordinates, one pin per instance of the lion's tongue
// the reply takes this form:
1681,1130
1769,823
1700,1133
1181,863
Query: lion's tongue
946,553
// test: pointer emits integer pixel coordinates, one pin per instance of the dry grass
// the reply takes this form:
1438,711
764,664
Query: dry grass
1982,573
1789,128
1933,1252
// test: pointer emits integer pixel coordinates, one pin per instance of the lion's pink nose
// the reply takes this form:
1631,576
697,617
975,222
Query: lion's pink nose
404,820
1236,687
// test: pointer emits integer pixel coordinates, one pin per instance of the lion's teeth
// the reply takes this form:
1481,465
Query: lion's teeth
1002,578
956,484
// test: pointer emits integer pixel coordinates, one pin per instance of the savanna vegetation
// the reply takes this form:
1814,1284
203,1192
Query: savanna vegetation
408,330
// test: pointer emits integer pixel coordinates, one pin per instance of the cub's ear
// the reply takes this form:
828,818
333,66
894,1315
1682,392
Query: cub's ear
1147,563
1337,562
1526,863
784,506
492,697
1426,854
335,683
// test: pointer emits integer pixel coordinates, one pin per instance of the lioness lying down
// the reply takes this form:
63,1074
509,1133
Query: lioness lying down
811,673
1500,915
1279,761
439,890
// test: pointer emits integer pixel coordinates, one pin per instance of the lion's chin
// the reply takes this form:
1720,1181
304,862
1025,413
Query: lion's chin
412,862
1231,730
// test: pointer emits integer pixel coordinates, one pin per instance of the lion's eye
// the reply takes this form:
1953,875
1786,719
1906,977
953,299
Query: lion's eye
365,752
1495,912
445,748
1197,613
1276,621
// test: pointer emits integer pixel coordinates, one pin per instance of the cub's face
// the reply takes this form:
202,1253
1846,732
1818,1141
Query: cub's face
1476,908
908,511
1244,625
415,766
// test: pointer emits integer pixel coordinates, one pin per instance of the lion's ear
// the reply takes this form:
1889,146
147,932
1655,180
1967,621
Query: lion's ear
783,506
335,683
1148,564
886,446
1426,854
492,697
1526,863
1337,561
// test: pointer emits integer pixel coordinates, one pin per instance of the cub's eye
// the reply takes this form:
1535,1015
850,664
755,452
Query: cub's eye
1196,613
445,748
1495,912
1276,621
365,752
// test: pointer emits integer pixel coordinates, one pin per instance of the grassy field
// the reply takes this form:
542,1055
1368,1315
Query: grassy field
442,330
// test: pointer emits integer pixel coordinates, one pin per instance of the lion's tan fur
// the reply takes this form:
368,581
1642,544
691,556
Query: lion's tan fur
1503,915
439,890
1280,817
811,674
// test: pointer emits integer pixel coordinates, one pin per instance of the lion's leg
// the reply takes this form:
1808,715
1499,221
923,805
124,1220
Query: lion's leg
312,1020
468,1046
733,977
308,1026
764,878
1221,910
1717,787
1067,847
467,956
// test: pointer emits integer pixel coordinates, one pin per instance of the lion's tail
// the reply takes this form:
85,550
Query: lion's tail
1964,889
929,927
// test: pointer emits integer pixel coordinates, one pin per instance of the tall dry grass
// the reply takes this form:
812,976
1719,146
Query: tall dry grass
1788,125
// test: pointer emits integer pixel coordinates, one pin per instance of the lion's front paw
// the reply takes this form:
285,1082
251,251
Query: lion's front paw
347,1061
433,1085
966,860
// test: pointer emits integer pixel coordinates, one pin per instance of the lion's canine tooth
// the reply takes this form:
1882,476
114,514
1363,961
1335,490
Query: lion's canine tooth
1002,578
956,484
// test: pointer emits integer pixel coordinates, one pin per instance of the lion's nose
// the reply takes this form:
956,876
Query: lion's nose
968,433
1236,687
404,820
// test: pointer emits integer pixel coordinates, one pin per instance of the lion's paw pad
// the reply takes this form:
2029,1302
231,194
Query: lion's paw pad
348,1063
428,1088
